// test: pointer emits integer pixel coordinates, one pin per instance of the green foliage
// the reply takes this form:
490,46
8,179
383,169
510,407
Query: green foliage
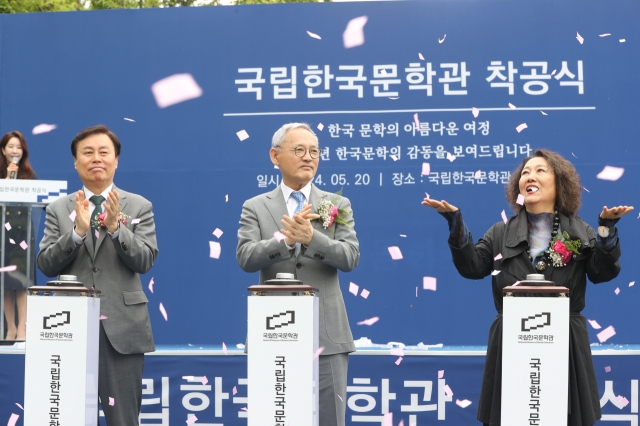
571,245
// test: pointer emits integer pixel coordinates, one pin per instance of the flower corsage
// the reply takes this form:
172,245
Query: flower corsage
99,221
562,249
330,213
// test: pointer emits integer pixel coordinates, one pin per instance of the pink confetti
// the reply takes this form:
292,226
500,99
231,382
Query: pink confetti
218,232
234,391
429,283
175,89
8,226
388,419
353,288
607,369
354,33
244,409
339,397
369,321
632,283
543,113
416,291
191,420
43,128
242,135
617,291
427,195
13,419
395,253
320,126
9,268
595,324
611,173
605,35
451,157
440,41
112,401
204,380
398,361
420,56
463,403
521,127
401,423
440,374
365,293
504,217
128,119
475,111
494,273
318,352
151,285
416,120
103,317
163,311
606,334
312,35
24,245
224,348
396,351
498,256
579,38
21,407
97,234
512,106
278,236
520,199
478,174
226,198
447,390
134,221
426,169
72,216
214,249
624,401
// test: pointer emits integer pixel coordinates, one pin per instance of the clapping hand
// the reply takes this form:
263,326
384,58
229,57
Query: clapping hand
440,206
83,219
615,212
298,229
112,208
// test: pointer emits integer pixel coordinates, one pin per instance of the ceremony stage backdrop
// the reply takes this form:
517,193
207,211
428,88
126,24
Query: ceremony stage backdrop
257,68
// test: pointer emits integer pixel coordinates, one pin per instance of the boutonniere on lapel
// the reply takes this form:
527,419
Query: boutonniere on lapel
99,221
329,213
562,249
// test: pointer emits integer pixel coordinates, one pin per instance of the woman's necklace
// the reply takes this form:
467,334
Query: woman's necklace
542,263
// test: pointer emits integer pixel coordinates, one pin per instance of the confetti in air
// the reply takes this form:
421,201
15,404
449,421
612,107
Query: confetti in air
520,199
395,253
611,173
426,169
605,35
464,403
8,226
354,33
512,106
475,112
129,119
175,89
312,35
242,135
606,334
218,232
151,285
579,38
214,249
9,268
369,321
320,126
420,56
521,127
318,352
353,288
429,283
440,41
365,293
163,311
43,128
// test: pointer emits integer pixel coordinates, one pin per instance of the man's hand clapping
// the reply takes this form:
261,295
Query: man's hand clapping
299,229
83,219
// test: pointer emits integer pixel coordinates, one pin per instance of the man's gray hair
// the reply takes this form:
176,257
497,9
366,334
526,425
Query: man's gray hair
280,134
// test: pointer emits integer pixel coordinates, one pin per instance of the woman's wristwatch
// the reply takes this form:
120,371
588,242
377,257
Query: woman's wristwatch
603,231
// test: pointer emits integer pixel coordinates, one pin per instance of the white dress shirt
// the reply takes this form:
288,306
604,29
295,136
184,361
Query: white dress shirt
292,203
87,195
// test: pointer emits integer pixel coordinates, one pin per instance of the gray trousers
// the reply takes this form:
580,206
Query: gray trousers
333,382
120,378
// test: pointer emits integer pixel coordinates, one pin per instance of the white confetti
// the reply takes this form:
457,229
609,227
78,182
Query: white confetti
242,135
312,35
43,128
622,40
354,33
521,127
512,106
605,35
175,89
129,119
579,38
440,41
475,111
320,126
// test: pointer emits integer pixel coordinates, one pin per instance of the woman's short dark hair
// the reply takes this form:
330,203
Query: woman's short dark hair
95,130
568,188
25,171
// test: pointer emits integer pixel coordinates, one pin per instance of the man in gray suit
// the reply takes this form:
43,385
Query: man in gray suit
107,253
309,251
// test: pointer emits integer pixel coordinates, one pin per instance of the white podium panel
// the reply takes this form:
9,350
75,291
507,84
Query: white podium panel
535,361
61,361
282,374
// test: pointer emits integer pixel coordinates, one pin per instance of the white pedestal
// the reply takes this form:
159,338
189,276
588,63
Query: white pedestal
282,374
61,362
535,361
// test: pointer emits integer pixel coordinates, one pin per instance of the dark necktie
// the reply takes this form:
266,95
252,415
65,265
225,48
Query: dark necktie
97,201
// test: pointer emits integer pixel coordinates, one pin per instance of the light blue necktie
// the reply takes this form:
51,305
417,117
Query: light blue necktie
299,197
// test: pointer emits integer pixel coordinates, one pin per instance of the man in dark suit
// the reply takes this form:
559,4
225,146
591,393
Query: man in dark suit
107,253
311,252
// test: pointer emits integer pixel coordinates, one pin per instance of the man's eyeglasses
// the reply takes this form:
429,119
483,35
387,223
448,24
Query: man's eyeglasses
301,151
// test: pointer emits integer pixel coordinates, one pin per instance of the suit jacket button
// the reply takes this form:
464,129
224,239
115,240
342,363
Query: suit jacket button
95,270
298,265
68,251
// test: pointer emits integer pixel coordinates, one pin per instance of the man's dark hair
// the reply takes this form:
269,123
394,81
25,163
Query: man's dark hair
95,130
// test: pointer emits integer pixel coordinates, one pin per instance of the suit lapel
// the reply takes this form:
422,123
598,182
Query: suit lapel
314,200
103,231
276,206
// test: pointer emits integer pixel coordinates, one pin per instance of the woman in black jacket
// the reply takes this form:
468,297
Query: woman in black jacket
550,190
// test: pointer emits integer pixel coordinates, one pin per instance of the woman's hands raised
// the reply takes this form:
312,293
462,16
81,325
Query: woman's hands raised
614,212
440,206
